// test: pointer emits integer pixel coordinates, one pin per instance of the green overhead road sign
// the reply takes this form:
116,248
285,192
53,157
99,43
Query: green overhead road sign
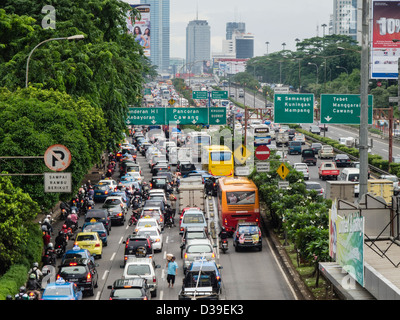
200,95
343,108
219,95
293,108
203,95
165,116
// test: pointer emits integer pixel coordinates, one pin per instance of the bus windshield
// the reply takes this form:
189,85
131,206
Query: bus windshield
240,197
221,156
261,130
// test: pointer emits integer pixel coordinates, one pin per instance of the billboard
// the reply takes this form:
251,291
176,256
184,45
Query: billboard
385,28
140,28
346,240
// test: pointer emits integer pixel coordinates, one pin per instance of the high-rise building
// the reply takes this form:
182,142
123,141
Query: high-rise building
346,18
244,45
198,45
231,27
160,33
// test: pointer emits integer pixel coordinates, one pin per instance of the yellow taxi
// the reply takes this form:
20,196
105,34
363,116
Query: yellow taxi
90,241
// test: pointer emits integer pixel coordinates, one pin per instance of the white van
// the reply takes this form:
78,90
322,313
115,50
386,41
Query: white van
142,268
351,175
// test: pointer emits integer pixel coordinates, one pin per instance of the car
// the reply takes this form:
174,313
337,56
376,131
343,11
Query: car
117,214
101,192
155,235
192,218
119,201
196,249
315,130
98,227
247,235
62,290
356,164
316,147
77,252
312,185
202,281
130,289
300,138
155,203
136,175
138,246
191,233
342,160
80,271
154,212
394,179
162,167
159,183
143,268
147,221
302,167
294,147
101,215
90,241
185,167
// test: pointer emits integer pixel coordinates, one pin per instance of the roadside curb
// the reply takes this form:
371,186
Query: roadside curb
301,290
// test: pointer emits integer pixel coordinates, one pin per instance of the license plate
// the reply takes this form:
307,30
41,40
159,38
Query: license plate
98,193
73,280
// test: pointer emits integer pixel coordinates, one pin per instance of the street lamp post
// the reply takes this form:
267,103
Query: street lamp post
75,37
310,63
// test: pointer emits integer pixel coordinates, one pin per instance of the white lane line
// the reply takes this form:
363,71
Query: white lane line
98,295
105,274
120,240
113,256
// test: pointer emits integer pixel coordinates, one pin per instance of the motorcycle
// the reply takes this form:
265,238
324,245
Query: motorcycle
32,295
65,210
60,250
224,245
136,202
169,222
49,258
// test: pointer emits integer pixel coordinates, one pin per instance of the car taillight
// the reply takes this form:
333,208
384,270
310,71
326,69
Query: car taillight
89,277
154,280
102,235
97,245
213,255
182,229
185,256
226,222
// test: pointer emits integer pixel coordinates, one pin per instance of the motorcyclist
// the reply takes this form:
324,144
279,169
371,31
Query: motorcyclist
33,285
169,215
49,256
46,226
209,186
36,271
223,234
21,295
61,240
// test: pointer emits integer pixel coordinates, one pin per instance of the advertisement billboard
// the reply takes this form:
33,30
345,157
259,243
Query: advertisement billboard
140,28
385,31
346,241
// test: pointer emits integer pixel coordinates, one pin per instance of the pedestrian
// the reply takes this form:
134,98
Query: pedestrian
171,266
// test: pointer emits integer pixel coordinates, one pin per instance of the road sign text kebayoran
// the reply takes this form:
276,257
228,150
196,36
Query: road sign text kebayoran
165,116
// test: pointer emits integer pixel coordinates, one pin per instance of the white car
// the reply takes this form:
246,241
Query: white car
136,175
147,222
109,182
302,167
155,235
142,268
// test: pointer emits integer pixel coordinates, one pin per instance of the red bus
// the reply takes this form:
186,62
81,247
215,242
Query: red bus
238,201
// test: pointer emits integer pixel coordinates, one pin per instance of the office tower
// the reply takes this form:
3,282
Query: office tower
231,27
198,46
346,18
244,45
160,33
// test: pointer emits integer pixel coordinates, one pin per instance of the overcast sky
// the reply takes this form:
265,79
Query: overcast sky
275,21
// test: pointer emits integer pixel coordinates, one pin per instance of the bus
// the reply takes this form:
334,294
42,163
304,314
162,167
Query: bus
262,135
196,140
238,201
218,160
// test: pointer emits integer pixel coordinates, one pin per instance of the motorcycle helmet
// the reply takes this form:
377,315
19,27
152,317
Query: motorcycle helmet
50,246
22,289
9,297
64,226
35,265
32,276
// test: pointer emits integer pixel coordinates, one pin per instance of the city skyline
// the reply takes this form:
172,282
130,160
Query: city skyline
268,20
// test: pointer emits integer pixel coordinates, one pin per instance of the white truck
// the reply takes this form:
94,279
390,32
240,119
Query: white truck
282,138
191,193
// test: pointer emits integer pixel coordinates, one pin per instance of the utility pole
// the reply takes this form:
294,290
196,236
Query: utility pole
363,146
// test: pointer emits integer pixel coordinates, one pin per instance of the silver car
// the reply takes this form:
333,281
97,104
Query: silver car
197,249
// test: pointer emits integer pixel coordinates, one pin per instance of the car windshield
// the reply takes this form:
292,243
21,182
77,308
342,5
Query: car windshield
313,186
57,291
102,187
94,227
86,237
72,270
248,229
195,235
199,249
193,218
354,177
138,270
131,293
151,233
112,202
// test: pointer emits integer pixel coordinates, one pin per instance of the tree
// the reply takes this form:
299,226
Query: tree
17,209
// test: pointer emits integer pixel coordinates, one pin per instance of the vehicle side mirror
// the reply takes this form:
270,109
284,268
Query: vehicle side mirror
109,287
